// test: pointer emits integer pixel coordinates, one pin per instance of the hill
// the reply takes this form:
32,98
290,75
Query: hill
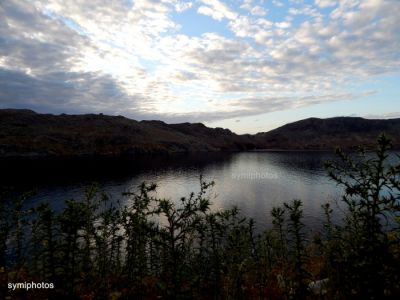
25,133
327,134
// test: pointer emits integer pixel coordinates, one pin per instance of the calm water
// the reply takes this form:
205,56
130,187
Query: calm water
253,181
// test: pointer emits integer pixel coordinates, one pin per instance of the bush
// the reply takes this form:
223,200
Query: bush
362,255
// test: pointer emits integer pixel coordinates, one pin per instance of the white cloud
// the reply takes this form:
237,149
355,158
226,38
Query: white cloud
282,25
255,10
182,6
133,58
389,115
306,10
247,4
325,3
277,3
258,11
208,11
217,10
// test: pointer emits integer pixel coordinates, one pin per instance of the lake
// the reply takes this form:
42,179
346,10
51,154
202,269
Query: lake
253,181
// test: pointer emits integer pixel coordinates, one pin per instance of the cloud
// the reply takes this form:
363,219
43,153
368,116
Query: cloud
217,10
277,3
134,58
307,10
325,3
243,107
208,11
60,91
390,115
282,25
255,10
182,6
75,54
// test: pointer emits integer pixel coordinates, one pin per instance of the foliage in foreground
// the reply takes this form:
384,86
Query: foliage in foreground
155,248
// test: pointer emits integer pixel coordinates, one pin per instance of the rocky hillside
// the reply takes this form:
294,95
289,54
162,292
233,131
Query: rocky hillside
24,133
326,134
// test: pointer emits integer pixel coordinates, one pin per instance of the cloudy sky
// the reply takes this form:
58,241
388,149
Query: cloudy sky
248,65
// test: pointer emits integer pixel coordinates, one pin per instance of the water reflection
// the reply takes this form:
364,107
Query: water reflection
253,181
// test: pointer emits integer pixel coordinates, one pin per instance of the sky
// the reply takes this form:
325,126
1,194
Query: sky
248,65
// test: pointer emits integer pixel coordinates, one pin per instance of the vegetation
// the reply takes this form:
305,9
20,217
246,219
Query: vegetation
153,248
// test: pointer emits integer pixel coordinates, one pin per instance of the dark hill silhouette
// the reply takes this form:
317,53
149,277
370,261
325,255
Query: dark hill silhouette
325,134
24,133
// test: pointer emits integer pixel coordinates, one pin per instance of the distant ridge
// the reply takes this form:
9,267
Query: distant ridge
326,134
25,133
